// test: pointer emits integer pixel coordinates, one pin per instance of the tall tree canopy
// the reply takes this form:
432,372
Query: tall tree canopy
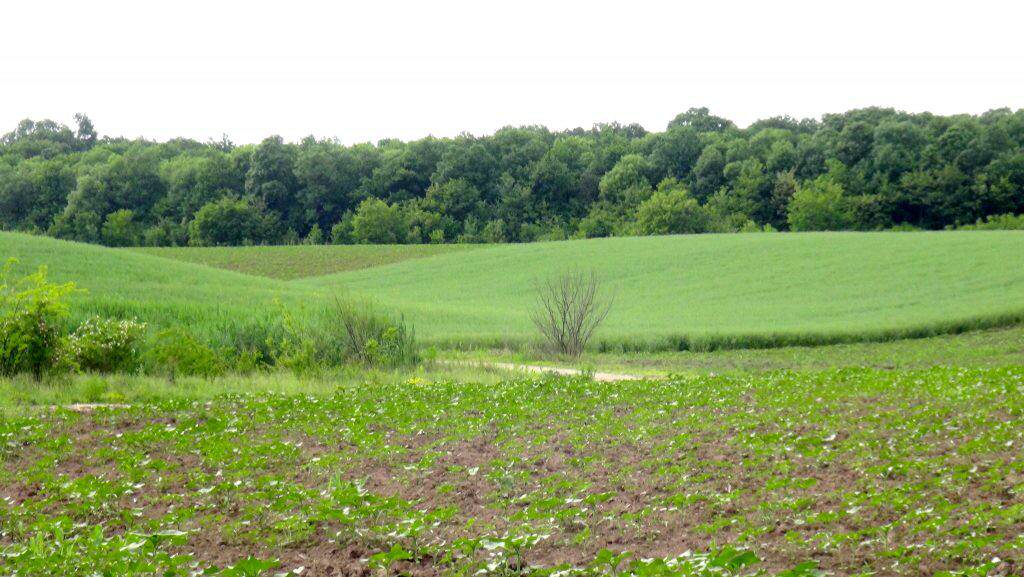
866,169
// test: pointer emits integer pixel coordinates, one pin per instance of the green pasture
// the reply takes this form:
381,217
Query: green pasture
670,293
291,262
718,291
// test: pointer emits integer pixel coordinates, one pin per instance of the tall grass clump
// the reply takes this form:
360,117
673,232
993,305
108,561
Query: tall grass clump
176,352
343,333
288,335
374,338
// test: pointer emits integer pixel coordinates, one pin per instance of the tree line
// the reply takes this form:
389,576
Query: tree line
866,169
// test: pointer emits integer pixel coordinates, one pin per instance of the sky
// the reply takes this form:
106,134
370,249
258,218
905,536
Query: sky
363,71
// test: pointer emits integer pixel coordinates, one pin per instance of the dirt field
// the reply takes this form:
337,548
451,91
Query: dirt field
849,472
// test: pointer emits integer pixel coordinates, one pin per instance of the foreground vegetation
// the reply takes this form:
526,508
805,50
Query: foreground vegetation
166,327
84,390
869,169
890,473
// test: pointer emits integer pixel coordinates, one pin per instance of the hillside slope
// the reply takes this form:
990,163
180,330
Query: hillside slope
157,290
745,290
726,290
300,261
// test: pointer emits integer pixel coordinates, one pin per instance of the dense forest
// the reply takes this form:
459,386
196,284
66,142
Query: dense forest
868,169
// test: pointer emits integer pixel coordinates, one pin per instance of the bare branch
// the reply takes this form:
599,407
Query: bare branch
569,309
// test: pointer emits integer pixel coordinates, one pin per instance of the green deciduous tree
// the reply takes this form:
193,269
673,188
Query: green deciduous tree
120,229
819,205
228,221
377,222
671,210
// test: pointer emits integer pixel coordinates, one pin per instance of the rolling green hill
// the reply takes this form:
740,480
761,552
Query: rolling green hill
291,262
159,291
720,290
743,290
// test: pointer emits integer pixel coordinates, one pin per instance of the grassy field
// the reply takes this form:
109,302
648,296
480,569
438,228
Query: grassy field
159,291
696,292
854,472
291,262
727,467
984,348
719,290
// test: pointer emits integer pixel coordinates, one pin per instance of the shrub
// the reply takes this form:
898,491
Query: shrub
373,338
32,311
494,232
341,232
569,310
106,345
997,222
166,233
343,333
315,236
904,227
252,343
295,347
176,352
601,222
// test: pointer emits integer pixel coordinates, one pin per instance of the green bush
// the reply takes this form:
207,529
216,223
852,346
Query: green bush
340,334
106,345
341,232
251,342
296,345
904,227
32,312
373,338
176,352
998,222
601,222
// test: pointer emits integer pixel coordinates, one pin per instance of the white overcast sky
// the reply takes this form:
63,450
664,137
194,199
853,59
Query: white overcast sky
362,71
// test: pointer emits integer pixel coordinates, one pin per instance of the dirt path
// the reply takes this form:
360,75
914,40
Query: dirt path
566,371
88,407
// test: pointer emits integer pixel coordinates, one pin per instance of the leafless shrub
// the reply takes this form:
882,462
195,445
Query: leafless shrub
569,309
